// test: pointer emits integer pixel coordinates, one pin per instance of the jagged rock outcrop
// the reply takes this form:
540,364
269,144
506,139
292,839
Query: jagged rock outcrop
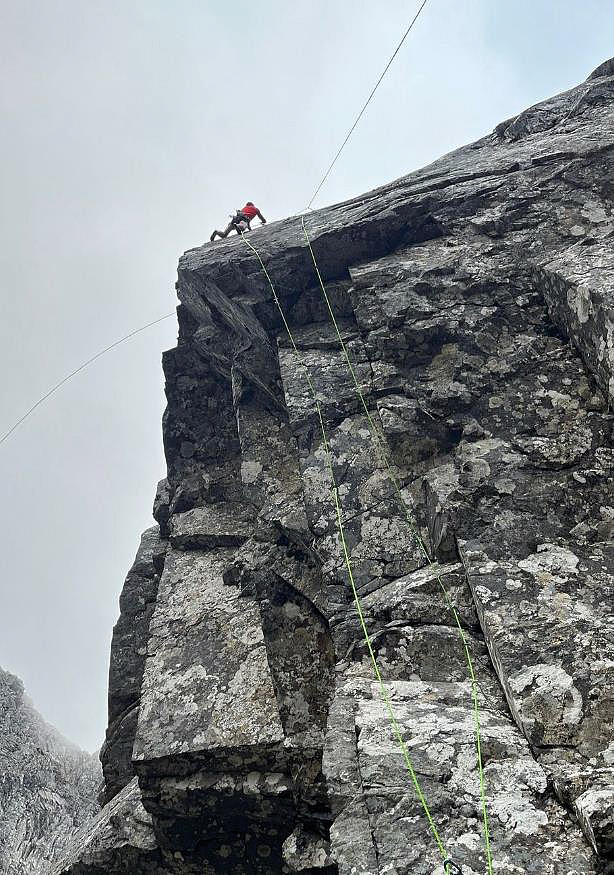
47,786
475,298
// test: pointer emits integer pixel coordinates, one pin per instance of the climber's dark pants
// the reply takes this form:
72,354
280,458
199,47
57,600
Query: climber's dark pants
235,224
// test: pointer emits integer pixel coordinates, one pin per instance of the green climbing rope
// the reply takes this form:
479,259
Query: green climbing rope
346,557
384,452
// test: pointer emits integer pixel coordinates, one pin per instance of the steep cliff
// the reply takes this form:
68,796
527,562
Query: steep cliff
47,786
246,732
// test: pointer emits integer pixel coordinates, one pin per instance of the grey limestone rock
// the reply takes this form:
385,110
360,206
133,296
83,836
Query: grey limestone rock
119,838
474,299
215,525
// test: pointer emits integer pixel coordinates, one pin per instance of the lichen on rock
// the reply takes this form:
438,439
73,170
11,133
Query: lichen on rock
47,786
474,298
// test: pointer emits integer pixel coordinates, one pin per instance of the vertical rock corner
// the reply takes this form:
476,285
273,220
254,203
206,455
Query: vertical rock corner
246,734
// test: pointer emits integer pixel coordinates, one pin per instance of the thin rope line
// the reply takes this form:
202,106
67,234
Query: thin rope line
383,690
155,322
368,101
383,450
79,369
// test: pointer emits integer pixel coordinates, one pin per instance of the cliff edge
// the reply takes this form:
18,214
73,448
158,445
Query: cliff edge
246,732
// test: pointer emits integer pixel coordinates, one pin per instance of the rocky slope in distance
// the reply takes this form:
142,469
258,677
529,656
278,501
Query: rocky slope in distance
247,735
47,786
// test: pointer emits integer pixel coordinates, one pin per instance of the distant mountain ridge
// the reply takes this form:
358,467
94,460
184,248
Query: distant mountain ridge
47,785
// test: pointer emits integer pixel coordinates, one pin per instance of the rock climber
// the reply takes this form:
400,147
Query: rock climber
240,222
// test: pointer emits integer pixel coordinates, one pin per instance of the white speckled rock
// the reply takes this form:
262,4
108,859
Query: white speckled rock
262,745
47,786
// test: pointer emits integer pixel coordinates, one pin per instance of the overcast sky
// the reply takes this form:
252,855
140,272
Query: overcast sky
130,130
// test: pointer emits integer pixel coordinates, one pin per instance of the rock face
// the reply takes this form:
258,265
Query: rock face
47,786
475,301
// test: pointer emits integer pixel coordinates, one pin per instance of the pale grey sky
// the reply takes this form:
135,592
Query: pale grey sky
131,129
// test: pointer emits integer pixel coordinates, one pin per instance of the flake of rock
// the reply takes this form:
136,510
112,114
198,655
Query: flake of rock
590,793
207,684
161,506
120,838
581,301
216,525
548,632
304,851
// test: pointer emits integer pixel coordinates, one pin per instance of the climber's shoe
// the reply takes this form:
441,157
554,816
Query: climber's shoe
212,238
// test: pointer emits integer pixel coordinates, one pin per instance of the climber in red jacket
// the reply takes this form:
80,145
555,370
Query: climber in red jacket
240,222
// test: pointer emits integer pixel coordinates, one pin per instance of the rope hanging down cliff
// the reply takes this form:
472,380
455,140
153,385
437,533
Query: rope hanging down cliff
380,443
447,862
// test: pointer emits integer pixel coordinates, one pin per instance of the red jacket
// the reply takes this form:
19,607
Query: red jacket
250,211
